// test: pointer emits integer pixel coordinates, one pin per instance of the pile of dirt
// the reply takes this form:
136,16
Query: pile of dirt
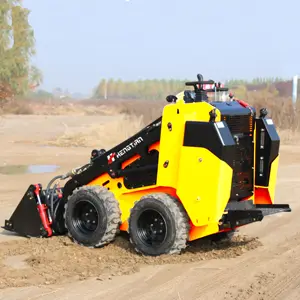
59,260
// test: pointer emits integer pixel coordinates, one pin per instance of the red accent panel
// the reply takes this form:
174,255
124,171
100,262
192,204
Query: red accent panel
262,196
243,103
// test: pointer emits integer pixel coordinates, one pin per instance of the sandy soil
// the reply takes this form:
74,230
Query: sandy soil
263,262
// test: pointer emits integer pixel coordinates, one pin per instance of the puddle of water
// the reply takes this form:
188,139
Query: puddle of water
38,169
25,169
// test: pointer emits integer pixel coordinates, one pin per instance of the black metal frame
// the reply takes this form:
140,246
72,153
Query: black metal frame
245,212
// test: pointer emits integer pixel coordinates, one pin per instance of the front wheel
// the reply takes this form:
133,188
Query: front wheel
92,216
158,224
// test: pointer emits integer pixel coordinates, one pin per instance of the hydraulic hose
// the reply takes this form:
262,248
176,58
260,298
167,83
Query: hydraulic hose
50,191
51,201
52,180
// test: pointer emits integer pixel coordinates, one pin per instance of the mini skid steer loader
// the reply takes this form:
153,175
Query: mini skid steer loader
204,168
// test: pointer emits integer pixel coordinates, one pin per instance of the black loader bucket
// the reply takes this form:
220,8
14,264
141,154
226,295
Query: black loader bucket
30,218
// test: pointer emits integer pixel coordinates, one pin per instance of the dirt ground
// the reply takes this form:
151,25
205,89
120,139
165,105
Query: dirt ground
263,261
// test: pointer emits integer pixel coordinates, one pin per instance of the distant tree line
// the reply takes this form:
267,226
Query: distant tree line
159,89
141,89
253,82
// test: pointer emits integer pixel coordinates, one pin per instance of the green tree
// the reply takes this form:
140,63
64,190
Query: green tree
17,46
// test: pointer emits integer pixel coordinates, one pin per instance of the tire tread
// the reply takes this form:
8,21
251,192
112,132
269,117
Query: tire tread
113,213
180,217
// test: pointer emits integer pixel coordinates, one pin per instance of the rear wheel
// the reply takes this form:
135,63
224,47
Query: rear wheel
92,216
158,224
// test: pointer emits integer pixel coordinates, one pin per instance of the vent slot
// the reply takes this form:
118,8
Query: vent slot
239,124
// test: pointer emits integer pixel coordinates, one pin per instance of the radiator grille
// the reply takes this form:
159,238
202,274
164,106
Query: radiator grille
239,124
241,127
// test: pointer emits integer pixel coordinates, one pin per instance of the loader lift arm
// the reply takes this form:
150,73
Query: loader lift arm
111,162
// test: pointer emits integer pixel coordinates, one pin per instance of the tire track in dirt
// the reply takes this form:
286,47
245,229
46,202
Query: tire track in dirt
221,278
218,279
273,283
151,289
163,288
285,284
288,278
268,285
142,285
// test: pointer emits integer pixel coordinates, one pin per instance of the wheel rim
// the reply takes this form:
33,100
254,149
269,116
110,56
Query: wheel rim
151,228
85,217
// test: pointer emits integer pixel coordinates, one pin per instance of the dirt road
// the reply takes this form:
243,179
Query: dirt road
265,269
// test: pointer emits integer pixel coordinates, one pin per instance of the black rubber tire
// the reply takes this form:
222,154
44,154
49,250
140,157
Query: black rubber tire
175,219
109,216
58,226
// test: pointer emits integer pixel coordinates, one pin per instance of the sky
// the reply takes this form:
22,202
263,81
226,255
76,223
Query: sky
80,42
